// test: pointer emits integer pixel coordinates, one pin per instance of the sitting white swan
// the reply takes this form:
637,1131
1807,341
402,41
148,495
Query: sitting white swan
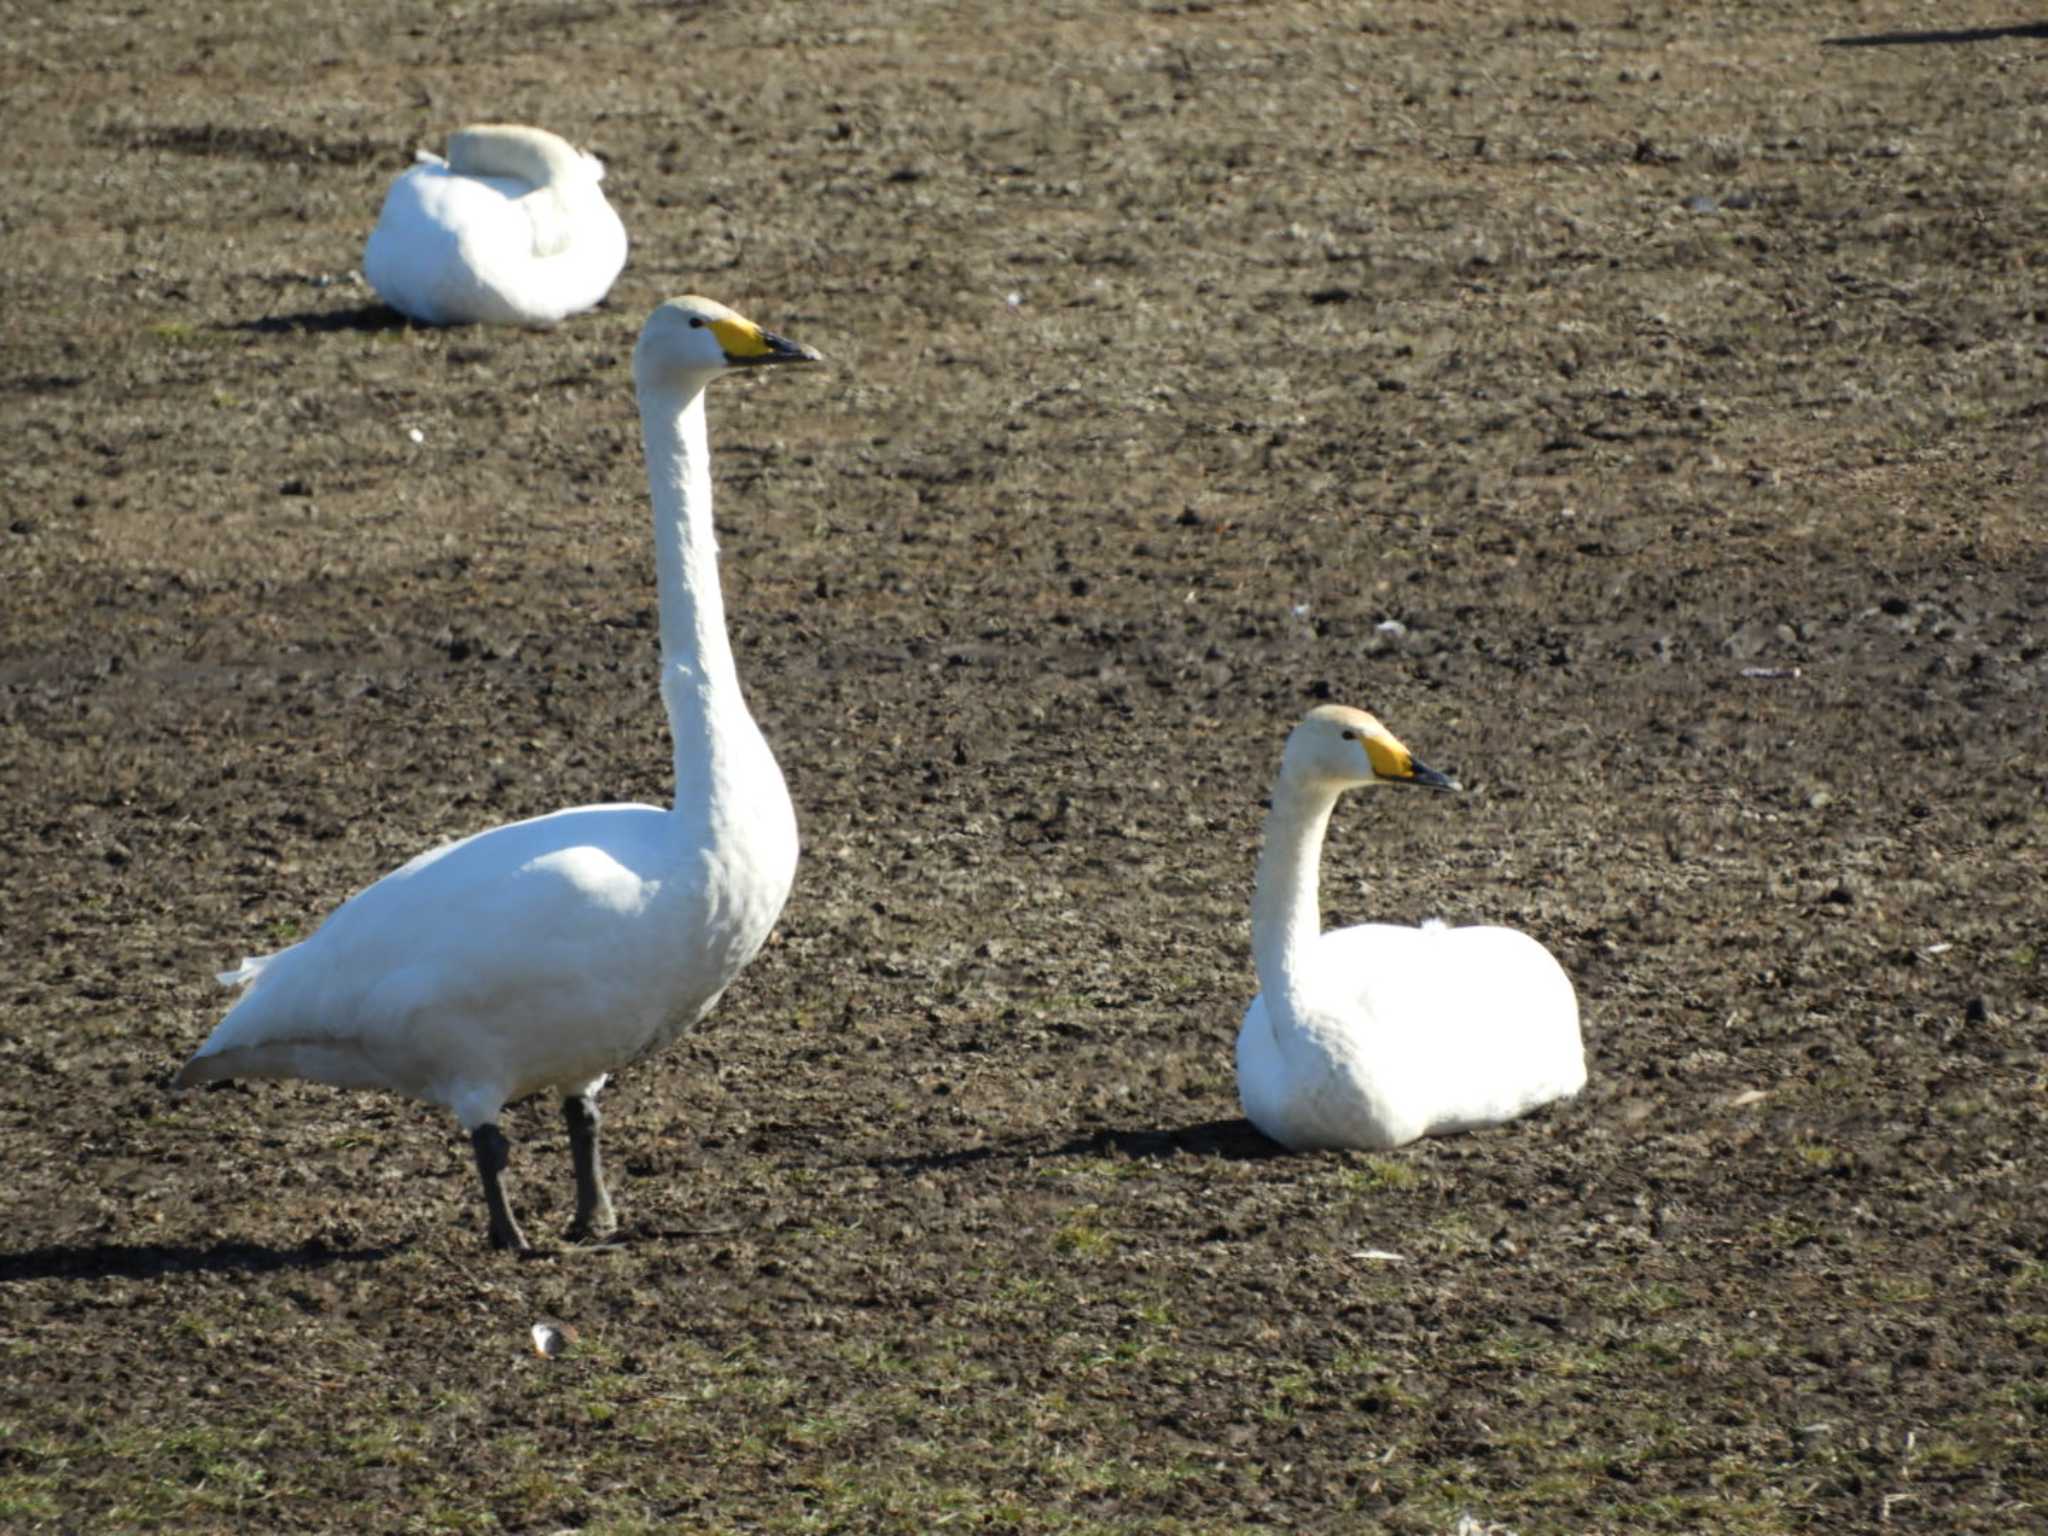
511,229
1374,1035
544,954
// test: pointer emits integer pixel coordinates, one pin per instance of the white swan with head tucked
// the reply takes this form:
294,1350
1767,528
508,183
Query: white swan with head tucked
511,229
544,954
1375,1035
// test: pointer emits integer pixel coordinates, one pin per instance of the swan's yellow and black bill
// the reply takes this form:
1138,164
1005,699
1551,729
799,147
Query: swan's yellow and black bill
747,345
1397,765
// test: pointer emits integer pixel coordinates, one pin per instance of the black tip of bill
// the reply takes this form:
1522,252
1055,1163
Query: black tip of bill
780,349
1427,777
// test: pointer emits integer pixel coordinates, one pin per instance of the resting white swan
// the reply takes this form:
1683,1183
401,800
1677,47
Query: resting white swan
544,954
1375,1035
511,229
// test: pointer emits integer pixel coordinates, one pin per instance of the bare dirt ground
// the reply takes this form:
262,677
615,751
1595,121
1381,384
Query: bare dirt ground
1642,408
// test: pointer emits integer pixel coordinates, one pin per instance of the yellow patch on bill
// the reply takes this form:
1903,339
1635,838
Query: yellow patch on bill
1390,760
740,338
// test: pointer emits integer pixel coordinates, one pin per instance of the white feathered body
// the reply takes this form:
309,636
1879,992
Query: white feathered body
1407,1032
537,955
548,953
455,249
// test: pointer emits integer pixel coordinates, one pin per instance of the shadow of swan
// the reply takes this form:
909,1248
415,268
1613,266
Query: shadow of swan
154,1261
1925,39
1233,1140
359,317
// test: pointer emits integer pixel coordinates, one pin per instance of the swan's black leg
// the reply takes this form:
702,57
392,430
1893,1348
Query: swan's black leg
493,1152
594,1216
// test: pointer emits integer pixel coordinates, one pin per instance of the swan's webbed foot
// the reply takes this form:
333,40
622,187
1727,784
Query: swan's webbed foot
493,1153
594,1216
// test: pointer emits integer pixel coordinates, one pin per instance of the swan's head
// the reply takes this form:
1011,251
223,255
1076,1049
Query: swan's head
1342,748
687,341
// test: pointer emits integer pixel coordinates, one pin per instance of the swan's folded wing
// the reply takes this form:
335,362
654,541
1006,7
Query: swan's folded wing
1481,1022
552,220
480,937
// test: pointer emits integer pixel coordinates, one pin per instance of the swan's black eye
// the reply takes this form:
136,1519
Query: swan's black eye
696,323
1351,735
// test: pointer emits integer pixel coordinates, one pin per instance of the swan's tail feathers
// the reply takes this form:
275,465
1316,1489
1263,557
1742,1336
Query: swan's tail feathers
251,967
337,1062
427,157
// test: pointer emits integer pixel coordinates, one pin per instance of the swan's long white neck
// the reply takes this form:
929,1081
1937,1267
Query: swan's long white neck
1287,915
699,683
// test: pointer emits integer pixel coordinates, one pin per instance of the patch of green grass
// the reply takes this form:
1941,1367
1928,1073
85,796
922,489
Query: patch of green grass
1083,1235
2030,1396
1457,1233
1381,1173
1126,1352
25,1499
1563,1485
1697,1512
1651,1299
855,1496
1024,1289
1786,1229
182,333
437,1514
1817,1154
1098,1170
1288,1397
1546,1356
1901,1290
1359,1373
199,1467
1662,1346
385,1444
1966,1107
629,1524
1945,1453
882,1357
32,1493
538,1486
828,1427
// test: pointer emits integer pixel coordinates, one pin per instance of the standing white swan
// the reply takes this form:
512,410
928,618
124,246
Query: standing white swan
544,954
511,229
1374,1035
